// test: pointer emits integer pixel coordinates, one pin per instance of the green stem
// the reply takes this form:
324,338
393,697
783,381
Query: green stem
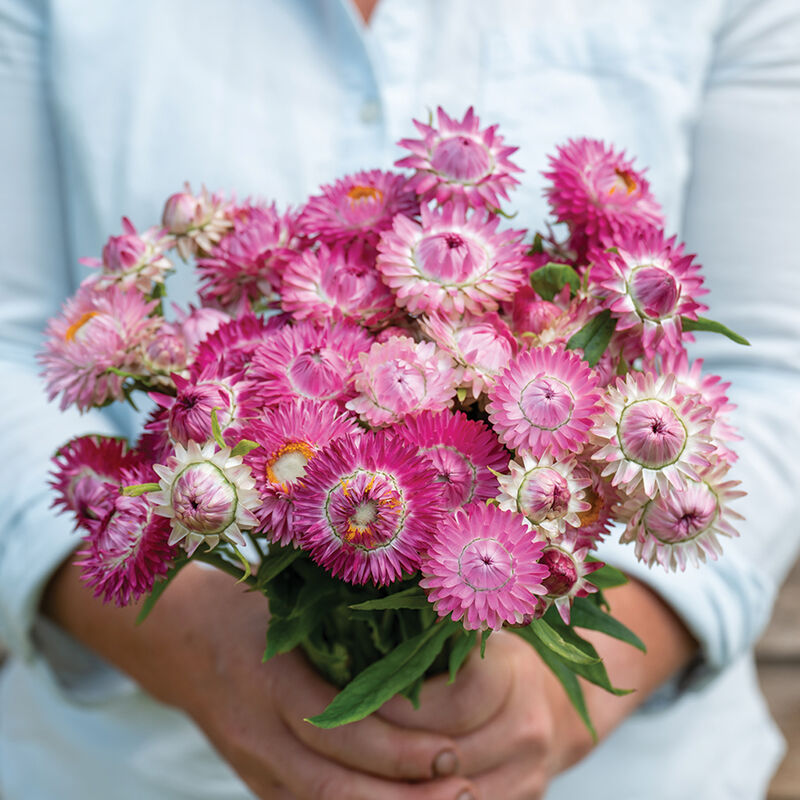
220,563
257,545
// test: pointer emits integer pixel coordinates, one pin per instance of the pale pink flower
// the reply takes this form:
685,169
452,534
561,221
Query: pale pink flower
455,261
483,345
681,526
163,353
403,377
546,398
133,260
358,207
97,332
548,493
197,324
207,494
463,452
196,221
650,436
484,569
342,282
310,360
290,435
458,160
368,508
649,284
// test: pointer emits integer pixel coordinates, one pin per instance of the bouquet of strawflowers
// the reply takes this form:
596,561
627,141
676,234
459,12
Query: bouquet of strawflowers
397,415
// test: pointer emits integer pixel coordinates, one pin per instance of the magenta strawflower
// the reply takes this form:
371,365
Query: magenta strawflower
682,526
651,436
207,494
648,283
197,222
484,569
368,508
242,270
483,345
548,493
98,331
83,469
196,324
462,451
358,206
289,436
455,261
546,398
597,192
567,579
403,377
342,282
128,549
133,260
458,160
310,360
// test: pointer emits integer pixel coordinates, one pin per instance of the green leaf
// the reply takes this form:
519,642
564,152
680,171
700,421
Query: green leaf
537,248
408,598
461,394
244,447
564,674
158,589
585,614
215,429
607,577
549,280
593,337
458,654
379,682
703,324
485,638
413,689
139,489
275,562
553,640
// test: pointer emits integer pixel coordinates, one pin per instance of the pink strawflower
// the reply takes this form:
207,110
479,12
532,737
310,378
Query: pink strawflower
83,470
289,436
459,161
597,192
197,222
128,549
368,508
342,282
207,494
567,579
163,353
154,445
310,360
682,526
97,331
455,261
650,436
547,398
230,348
403,377
243,269
189,411
462,451
649,284
596,521
531,314
483,345
133,260
358,207
548,493
484,568
197,324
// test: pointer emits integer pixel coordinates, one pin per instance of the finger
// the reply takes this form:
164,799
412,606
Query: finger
513,781
371,745
479,691
310,776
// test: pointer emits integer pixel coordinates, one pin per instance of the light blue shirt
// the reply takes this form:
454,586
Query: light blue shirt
109,107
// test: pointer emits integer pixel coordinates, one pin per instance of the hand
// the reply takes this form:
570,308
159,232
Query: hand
511,719
200,650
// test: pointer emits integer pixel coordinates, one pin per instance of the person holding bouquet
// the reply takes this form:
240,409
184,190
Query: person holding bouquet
112,107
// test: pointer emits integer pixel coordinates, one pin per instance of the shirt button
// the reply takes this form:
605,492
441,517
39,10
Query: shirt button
370,112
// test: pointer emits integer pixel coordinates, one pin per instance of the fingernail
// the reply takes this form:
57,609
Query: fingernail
446,763
466,795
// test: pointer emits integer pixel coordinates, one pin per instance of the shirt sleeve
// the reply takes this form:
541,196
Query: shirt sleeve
742,219
35,276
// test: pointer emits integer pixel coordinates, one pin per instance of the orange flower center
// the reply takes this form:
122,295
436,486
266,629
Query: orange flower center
624,181
289,462
359,193
591,515
73,329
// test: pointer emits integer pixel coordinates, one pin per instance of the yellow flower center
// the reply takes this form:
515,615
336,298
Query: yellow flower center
73,329
624,181
359,193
